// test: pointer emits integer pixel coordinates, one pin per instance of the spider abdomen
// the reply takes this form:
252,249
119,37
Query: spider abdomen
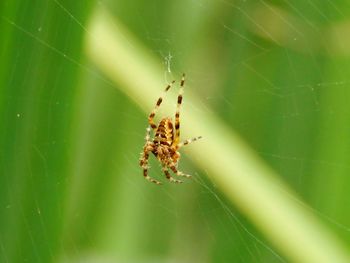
165,132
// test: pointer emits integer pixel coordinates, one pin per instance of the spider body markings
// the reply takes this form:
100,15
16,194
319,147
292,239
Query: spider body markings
166,142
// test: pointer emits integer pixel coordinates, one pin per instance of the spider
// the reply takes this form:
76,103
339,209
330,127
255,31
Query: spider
166,141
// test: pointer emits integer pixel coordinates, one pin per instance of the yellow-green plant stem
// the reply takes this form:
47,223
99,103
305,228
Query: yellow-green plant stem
237,171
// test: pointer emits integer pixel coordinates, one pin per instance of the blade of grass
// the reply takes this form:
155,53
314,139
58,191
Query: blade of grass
231,164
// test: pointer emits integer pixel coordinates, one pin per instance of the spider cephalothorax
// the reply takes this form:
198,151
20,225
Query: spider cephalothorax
165,144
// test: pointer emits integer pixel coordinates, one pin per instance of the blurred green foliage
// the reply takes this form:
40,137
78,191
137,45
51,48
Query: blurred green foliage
70,185
38,89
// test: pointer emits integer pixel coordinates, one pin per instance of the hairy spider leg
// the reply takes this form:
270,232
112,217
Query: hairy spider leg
177,114
159,101
189,141
172,166
145,156
169,177
145,172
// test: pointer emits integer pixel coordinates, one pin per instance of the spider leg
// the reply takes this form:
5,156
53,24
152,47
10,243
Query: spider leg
148,135
177,172
169,177
188,141
144,165
177,114
147,177
145,156
159,101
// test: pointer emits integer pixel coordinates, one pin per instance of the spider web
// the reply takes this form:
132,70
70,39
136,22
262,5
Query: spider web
280,80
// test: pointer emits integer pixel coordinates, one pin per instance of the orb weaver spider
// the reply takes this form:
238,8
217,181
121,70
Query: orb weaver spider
166,141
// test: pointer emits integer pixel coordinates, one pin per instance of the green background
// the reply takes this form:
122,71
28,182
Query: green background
70,186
